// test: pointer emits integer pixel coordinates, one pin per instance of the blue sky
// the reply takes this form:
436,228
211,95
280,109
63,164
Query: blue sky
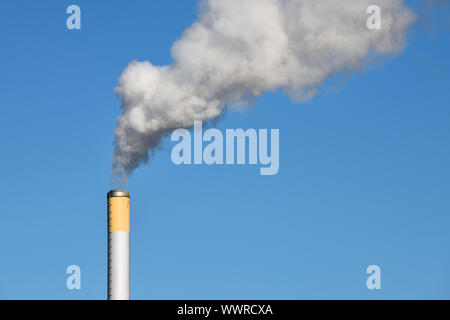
364,174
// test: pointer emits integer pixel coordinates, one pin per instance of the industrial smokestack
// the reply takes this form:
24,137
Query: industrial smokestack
118,245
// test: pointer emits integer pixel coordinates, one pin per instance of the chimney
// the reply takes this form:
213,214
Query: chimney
118,245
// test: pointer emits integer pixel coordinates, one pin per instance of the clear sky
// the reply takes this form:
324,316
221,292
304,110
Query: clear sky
364,171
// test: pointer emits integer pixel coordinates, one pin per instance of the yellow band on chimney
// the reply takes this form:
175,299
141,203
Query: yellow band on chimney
119,214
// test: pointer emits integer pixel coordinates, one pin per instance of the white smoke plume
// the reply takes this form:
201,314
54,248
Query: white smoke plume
239,49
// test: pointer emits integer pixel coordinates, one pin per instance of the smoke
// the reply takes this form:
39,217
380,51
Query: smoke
239,49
